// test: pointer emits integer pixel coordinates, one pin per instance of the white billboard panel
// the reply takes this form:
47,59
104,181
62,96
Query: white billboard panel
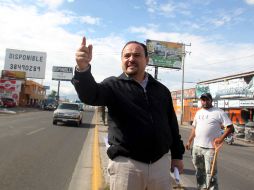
62,73
32,62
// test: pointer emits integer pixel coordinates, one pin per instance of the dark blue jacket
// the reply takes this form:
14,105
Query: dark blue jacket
142,125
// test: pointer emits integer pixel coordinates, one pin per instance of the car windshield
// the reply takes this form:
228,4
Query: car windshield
69,106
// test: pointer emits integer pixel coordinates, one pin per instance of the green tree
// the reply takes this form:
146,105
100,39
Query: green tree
53,94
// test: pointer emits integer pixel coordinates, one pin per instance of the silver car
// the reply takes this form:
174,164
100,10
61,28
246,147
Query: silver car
68,113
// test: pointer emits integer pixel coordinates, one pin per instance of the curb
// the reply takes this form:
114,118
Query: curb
17,110
6,111
97,176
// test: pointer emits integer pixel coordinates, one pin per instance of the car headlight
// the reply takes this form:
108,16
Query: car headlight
75,115
56,114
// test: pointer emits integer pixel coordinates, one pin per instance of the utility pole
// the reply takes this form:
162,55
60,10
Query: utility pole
156,68
182,90
57,98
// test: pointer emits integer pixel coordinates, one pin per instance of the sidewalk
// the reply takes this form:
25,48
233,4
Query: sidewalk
6,111
186,180
103,132
102,135
17,110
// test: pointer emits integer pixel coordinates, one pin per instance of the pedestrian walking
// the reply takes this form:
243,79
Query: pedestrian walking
206,133
143,126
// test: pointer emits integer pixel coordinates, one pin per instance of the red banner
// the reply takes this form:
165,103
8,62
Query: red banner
8,85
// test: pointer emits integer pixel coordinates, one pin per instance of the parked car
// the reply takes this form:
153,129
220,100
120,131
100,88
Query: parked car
1,103
8,102
81,106
68,113
49,107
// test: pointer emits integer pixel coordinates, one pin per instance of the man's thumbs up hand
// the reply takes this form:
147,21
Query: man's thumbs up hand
84,55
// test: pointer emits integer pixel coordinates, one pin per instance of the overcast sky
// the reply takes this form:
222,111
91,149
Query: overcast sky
220,34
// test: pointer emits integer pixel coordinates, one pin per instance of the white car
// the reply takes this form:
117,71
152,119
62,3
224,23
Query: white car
68,113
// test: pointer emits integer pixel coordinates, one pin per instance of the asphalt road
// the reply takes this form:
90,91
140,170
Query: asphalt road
37,155
235,166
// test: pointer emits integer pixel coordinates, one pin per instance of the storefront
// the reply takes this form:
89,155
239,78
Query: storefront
234,94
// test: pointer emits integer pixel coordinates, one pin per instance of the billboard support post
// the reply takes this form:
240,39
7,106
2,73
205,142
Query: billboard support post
182,90
156,72
58,87
61,74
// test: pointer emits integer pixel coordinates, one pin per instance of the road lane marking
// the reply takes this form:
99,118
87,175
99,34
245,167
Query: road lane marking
36,131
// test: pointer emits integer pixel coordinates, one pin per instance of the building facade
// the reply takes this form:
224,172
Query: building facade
14,85
234,94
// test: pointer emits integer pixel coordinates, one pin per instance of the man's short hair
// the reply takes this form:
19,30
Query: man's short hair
139,43
207,96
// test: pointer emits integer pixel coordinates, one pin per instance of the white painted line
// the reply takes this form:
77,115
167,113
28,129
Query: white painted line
35,131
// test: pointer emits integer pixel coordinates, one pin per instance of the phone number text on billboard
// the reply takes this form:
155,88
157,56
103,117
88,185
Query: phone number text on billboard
24,67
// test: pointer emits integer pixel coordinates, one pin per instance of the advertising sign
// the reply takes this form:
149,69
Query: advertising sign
233,88
165,54
13,74
46,87
188,93
247,103
10,85
31,62
11,94
234,103
62,73
221,103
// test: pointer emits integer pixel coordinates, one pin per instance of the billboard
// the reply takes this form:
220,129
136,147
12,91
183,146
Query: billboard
62,73
32,62
165,54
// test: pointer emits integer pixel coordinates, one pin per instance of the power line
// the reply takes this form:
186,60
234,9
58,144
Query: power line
234,59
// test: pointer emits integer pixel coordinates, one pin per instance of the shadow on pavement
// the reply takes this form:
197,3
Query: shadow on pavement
189,172
242,145
83,125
